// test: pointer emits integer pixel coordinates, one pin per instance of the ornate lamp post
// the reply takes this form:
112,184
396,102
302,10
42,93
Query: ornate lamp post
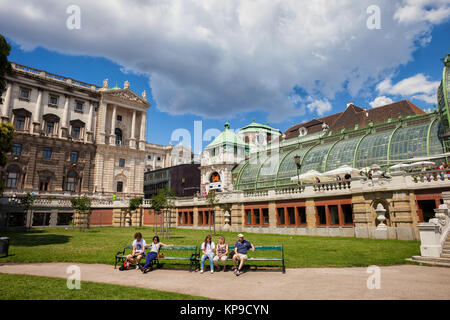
298,164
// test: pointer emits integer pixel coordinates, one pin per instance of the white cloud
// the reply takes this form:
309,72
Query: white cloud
319,106
416,87
380,101
222,58
433,11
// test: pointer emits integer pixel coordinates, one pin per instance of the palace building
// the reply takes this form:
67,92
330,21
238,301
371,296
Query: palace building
73,137
260,190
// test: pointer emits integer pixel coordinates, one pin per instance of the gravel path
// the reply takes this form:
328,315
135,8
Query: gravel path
396,282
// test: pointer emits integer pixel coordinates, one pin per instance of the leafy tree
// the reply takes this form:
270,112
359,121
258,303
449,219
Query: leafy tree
6,137
5,66
212,200
134,204
83,206
27,202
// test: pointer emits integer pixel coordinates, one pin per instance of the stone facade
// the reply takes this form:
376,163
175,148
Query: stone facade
73,137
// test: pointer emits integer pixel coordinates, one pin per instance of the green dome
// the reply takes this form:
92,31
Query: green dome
226,138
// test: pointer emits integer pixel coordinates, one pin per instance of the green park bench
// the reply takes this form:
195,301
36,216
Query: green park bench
266,248
191,255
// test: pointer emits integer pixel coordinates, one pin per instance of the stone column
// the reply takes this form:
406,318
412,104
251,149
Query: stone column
89,134
133,131
101,121
37,113
65,119
7,103
112,136
143,129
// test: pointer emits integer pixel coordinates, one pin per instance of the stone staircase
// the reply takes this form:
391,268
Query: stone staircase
442,261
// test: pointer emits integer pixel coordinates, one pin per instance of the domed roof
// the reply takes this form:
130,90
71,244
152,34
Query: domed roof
258,127
226,137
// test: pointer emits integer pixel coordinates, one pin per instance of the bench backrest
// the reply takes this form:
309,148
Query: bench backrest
262,248
188,248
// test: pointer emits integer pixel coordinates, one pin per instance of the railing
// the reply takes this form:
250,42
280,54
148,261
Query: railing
429,176
55,76
290,190
434,233
328,186
253,194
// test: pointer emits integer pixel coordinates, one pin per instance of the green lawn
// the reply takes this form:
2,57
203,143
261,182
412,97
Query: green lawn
99,245
22,287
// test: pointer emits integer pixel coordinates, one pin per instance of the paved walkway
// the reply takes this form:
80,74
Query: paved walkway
396,282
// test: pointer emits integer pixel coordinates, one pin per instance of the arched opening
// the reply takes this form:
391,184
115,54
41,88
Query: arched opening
385,205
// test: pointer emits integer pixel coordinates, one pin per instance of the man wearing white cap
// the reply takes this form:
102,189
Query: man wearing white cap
240,252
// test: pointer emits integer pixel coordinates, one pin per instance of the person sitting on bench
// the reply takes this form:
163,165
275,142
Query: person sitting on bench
138,250
240,252
153,254
208,252
221,253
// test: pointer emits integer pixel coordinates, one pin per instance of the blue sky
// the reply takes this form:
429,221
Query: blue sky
414,63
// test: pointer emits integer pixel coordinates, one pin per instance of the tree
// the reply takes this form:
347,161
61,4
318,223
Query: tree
83,206
27,202
5,66
212,200
6,137
162,203
134,204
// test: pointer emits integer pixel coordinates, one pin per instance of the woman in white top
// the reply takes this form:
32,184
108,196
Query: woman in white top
208,252
153,253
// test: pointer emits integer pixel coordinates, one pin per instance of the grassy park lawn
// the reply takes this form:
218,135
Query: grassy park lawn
100,244
23,287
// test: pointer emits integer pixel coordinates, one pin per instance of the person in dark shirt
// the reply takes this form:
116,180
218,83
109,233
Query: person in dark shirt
240,252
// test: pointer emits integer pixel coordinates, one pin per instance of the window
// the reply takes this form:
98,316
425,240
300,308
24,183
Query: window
118,134
334,214
71,181
20,123
149,157
79,106
301,211
348,213
74,156
43,183
121,162
49,128
41,218
321,214
53,100
119,117
257,216
12,180
159,159
25,93
248,213
76,132
200,217
291,215
281,217
119,186
64,218
17,149
265,212
47,153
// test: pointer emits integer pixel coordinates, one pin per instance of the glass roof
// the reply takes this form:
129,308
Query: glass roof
262,171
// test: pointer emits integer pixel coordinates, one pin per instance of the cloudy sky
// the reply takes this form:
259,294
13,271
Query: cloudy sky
278,61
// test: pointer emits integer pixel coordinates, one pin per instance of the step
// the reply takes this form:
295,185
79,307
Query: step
438,262
445,255
446,251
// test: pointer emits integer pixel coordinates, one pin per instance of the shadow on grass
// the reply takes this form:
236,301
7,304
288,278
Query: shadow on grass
32,238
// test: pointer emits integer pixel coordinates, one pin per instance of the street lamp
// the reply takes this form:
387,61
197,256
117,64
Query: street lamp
298,164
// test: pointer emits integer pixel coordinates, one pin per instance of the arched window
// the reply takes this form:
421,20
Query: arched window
71,181
118,134
13,174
